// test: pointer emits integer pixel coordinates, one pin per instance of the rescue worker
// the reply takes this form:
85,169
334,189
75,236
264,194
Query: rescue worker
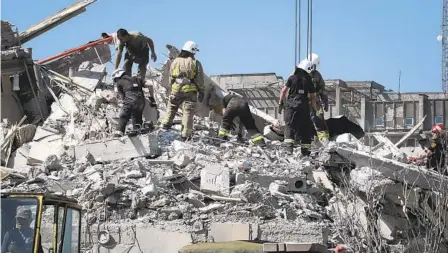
130,91
187,87
436,152
236,106
301,93
137,50
321,99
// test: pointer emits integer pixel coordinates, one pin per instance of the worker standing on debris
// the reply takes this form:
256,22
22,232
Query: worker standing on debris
131,92
236,106
187,87
321,99
137,50
436,152
297,109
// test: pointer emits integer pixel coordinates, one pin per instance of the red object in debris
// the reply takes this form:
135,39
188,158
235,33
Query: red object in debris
74,50
343,249
437,128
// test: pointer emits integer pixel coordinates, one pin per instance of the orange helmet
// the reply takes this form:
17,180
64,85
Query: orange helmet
437,128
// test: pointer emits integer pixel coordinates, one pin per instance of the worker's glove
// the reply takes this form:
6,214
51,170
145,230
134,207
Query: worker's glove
152,102
200,97
281,106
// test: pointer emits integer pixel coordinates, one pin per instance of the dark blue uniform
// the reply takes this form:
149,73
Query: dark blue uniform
297,118
131,92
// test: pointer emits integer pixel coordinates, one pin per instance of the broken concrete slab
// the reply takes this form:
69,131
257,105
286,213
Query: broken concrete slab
406,173
19,158
216,179
227,232
89,79
116,149
295,184
50,144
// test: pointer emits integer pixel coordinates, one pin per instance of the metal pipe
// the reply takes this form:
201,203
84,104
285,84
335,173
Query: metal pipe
74,50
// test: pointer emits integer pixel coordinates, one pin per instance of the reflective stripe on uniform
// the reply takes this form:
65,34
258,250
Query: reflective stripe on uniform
223,132
185,88
305,145
323,135
257,138
320,111
289,141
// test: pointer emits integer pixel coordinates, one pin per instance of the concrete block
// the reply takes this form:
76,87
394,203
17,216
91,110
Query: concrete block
19,158
117,149
295,184
40,150
227,232
270,247
216,179
305,247
405,173
161,241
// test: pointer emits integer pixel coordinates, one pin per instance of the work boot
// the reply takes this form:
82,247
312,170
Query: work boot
288,147
118,133
260,143
305,152
166,127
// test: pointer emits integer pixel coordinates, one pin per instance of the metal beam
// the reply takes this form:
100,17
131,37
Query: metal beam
54,20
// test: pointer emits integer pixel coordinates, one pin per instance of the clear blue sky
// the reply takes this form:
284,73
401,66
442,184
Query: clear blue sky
356,40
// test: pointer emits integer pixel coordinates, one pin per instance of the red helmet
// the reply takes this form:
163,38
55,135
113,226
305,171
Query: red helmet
437,128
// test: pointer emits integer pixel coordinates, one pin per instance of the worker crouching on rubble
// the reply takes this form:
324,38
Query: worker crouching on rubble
137,50
235,106
437,148
321,99
187,87
301,93
130,91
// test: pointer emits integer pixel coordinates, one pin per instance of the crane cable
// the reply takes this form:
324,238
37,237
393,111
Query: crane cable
298,31
309,43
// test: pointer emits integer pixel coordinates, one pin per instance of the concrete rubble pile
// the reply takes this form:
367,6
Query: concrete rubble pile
208,190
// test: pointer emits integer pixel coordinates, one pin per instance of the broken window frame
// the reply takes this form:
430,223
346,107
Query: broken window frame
436,117
377,122
405,123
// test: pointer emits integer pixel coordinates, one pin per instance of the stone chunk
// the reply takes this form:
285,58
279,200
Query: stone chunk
227,232
215,179
117,149
295,184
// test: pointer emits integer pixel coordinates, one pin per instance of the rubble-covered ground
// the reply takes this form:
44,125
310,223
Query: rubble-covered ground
206,190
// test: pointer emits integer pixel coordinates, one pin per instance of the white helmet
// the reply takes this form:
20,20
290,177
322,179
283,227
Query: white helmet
117,73
314,58
306,65
190,46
